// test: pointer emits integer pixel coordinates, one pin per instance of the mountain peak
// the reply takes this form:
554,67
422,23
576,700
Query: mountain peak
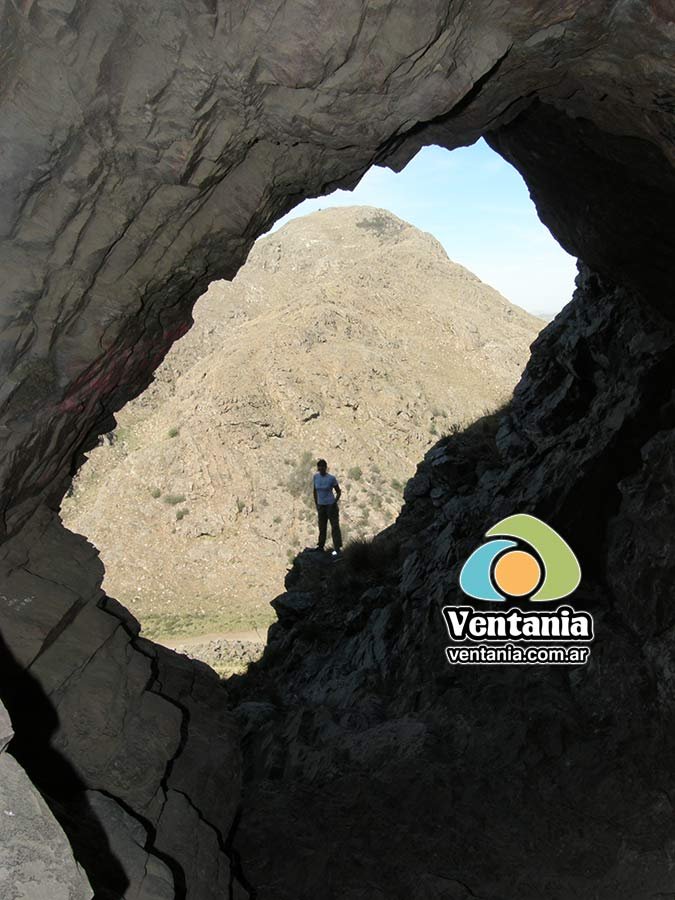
350,236
348,334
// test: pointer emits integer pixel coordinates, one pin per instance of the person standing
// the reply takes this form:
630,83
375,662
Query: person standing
326,495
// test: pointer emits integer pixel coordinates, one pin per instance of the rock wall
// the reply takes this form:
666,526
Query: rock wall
130,744
144,147
391,774
37,860
147,145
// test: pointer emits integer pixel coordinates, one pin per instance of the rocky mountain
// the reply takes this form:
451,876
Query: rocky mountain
348,334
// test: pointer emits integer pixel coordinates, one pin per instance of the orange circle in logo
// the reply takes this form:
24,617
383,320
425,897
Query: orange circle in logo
517,573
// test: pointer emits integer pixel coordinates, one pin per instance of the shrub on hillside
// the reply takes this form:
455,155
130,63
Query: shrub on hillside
477,441
298,481
365,557
174,499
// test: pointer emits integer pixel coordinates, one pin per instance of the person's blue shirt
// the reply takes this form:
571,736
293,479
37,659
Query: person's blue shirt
324,485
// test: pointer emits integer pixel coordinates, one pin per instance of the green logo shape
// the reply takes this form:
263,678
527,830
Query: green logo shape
562,572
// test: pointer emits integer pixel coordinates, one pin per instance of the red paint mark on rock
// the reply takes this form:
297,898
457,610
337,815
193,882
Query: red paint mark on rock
120,367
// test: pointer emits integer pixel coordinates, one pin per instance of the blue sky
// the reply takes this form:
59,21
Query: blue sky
479,208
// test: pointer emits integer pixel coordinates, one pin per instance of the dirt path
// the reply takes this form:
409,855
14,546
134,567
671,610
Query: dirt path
257,636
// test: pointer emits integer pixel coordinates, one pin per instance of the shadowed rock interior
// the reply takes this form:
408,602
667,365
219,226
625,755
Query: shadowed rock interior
145,147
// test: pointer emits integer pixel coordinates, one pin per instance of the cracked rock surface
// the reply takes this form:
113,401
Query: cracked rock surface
36,860
130,744
143,148
376,769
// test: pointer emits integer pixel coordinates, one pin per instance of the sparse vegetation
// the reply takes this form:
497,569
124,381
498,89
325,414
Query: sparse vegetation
308,498
126,439
167,624
241,506
371,557
173,432
355,473
396,484
238,616
174,499
181,513
298,482
477,441
381,224
155,493
277,520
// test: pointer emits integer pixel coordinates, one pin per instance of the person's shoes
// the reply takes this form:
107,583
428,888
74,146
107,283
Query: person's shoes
337,552
319,549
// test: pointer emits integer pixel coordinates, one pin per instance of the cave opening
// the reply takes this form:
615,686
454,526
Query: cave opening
140,168
363,332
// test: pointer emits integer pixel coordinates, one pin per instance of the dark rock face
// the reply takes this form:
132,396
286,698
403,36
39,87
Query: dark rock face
390,773
130,744
144,147
35,857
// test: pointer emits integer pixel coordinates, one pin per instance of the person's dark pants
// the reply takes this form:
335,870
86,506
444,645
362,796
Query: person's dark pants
329,512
